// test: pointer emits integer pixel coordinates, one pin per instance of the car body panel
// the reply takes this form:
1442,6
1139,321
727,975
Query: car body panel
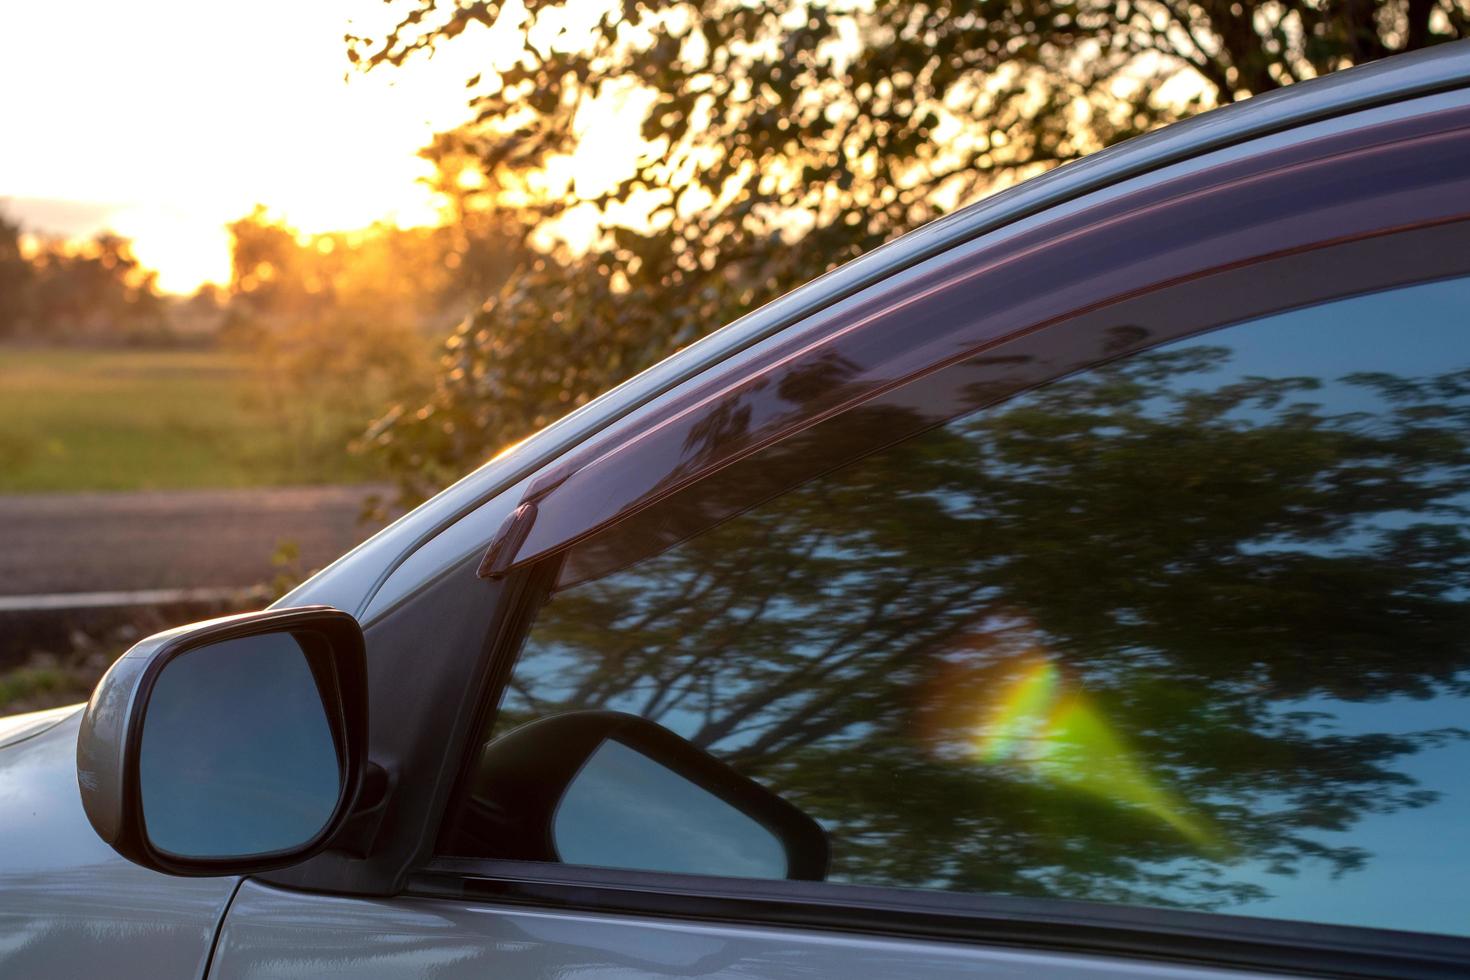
283,935
18,728
70,906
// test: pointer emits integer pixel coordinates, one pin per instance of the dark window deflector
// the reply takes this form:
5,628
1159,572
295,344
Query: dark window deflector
835,391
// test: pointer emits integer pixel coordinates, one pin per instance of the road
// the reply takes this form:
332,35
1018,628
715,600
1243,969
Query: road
63,544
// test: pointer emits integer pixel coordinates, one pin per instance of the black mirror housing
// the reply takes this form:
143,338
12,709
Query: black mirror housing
110,741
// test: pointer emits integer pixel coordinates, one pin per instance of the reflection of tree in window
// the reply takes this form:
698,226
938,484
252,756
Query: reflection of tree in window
1082,645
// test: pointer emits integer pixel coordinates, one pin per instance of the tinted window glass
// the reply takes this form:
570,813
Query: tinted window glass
1187,629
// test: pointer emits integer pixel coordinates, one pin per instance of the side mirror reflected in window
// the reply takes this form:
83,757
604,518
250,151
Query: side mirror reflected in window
608,789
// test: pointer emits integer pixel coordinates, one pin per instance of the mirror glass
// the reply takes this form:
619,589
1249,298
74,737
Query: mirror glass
624,810
237,755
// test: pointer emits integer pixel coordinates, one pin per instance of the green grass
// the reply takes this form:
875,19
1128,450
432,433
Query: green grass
33,688
83,419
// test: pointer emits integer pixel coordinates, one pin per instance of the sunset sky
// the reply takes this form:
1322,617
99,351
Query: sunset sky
162,121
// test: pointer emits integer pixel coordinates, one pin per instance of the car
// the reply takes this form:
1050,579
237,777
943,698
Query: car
1074,587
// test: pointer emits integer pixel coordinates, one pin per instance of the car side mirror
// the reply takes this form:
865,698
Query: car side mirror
230,746
608,789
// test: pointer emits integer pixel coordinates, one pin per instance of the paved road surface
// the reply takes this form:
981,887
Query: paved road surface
177,539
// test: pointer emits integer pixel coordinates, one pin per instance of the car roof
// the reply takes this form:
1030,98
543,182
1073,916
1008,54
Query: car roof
350,582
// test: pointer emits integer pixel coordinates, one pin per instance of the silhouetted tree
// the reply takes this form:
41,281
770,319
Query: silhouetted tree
16,276
60,289
338,324
787,138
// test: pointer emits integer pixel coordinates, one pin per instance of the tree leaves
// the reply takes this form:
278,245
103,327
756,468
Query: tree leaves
95,289
812,132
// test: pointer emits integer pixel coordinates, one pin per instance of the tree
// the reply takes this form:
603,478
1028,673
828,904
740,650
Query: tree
784,139
334,325
16,277
61,289
338,324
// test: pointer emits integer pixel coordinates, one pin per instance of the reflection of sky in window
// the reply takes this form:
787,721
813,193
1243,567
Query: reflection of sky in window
1410,332
1415,877
1417,332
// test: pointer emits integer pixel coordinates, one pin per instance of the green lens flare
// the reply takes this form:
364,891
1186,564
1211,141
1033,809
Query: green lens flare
1036,722
1013,727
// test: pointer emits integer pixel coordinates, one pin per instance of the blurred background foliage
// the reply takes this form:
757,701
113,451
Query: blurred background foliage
780,140
108,384
337,325
54,289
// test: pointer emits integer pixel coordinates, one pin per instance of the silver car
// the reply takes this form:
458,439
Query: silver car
1076,587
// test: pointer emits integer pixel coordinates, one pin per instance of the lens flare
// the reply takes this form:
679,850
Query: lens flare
1014,727
1037,722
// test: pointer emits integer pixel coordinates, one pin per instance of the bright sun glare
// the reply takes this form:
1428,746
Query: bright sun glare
165,121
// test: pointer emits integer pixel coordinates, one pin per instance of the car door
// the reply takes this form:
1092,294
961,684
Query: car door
1094,585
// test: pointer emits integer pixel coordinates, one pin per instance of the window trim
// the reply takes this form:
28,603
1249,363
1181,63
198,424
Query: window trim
1056,925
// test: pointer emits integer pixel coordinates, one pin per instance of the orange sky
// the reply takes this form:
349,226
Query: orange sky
165,120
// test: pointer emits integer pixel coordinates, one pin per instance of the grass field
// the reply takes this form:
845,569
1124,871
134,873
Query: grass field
82,419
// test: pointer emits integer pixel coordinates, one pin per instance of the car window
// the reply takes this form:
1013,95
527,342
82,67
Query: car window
1187,629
